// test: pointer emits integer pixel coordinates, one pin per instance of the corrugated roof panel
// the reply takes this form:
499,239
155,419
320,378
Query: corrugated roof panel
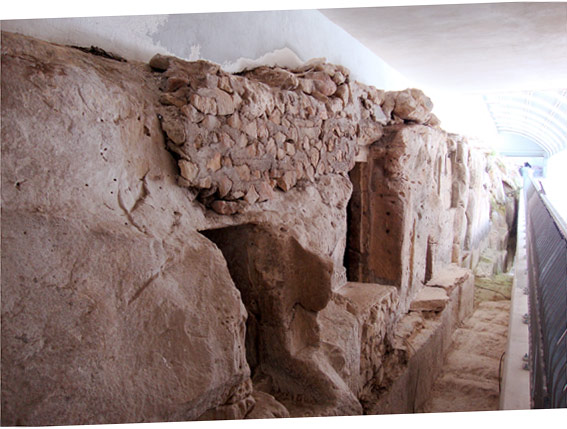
540,116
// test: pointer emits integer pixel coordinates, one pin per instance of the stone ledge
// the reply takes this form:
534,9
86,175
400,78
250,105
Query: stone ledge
430,299
425,341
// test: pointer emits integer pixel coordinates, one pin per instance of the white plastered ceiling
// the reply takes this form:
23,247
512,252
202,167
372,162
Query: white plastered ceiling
513,56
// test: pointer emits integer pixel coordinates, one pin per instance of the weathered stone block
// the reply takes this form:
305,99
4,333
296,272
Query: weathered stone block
430,299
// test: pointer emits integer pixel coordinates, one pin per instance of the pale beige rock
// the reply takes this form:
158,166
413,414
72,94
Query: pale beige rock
175,131
105,296
210,122
279,138
355,328
225,185
343,93
234,411
265,191
285,328
224,84
470,380
251,129
404,192
276,77
225,103
214,163
193,114
290,149
234,121
174,83
171,100
266,407
314,156
159,62
287,181
271,147
188,170
322,83
243,172
205,183
251,196
205,105
430,299
102,260
413,104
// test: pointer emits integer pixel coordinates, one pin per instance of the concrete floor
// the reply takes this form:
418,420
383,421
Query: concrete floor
515,383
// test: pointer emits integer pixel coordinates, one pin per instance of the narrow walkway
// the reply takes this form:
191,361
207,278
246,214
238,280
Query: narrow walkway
470,380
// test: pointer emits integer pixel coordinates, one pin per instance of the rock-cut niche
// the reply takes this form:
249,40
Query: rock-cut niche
283,286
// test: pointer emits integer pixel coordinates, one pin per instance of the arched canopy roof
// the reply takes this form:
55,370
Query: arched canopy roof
539,116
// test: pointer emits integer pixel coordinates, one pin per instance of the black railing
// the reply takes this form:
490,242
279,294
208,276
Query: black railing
546,248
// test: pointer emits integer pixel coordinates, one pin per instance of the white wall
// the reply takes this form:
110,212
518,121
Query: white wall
555,183
219,37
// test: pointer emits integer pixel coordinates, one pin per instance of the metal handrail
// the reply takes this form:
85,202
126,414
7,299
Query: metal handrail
546,245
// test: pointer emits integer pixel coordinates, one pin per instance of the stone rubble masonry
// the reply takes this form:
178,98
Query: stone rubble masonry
240,138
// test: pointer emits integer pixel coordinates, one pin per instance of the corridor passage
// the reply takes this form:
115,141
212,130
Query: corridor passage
472,369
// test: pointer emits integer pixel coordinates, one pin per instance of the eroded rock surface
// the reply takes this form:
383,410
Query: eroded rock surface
106,299
144,321
173,237
471,376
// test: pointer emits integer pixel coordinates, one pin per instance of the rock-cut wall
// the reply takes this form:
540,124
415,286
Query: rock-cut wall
174,237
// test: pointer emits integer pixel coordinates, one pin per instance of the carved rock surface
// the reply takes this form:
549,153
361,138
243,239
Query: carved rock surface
426,199
266,407
399,210
355,328
173,236
284,287
430,299
114,309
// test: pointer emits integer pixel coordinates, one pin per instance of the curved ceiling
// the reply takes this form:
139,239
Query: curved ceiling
513,55
540,116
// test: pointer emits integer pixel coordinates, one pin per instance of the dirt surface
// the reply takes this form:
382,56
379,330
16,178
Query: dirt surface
497,288
471,377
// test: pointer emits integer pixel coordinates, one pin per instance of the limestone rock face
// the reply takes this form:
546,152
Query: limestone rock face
283,288
430,299
412,105
424,200
114,309
173,237
402,196
266,407
355,330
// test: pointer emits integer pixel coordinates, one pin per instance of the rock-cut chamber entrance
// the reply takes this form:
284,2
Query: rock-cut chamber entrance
283,286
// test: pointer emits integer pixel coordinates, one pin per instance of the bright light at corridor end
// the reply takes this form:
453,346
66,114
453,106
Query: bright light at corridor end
536,116
532,127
